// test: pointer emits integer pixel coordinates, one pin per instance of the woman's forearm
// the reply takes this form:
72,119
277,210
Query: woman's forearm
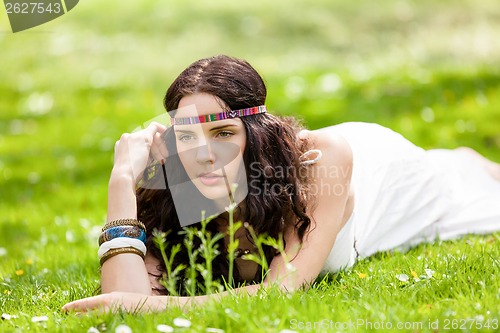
122,203
124,272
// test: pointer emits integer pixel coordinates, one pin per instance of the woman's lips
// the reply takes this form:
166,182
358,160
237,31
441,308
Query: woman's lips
210,179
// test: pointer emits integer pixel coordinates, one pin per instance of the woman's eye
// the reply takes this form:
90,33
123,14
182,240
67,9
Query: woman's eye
185,138
225,134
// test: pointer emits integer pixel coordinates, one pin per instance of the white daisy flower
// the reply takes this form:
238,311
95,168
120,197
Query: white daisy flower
402,277
214,330
123,329
164,328
6,316
181,322
39,319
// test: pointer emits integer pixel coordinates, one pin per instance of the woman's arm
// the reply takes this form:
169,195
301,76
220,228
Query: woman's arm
140,302
330,182
308,256
126,272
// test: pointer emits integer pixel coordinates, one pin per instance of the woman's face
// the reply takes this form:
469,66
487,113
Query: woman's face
211,152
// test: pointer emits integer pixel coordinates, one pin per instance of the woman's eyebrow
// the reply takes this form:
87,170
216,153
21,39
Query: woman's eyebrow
221,127
212,129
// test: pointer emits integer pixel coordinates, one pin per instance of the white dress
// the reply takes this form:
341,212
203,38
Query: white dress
405,195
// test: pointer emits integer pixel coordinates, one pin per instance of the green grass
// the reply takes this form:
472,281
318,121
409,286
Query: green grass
69,89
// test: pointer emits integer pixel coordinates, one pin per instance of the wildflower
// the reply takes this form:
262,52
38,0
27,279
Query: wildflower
290,267
123,329
93,330
19,272
362,275
231,207
214,330
70,238
415,276
236,316
402,277
164,328
429,272
29,262
39,319
181,322
6,316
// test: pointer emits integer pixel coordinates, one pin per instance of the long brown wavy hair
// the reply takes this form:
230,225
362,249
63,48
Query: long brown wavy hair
271,146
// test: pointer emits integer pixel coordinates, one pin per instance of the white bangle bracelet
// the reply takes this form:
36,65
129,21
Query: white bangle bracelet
302,157
120,242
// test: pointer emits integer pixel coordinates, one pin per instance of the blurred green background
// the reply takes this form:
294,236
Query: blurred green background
69,88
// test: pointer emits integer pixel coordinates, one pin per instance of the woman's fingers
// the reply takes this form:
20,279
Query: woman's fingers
133,151
159,148
88,304
115,301
145,136
154,128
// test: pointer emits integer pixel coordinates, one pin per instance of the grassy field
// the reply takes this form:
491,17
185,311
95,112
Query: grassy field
69,88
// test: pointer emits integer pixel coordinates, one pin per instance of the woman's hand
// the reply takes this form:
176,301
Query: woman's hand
105,302
131,302
134,151
118,301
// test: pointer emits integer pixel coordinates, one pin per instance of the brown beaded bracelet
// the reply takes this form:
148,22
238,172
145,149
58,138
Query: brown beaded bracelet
113,252
124,222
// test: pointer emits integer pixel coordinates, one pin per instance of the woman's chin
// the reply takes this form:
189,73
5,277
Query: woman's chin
213,192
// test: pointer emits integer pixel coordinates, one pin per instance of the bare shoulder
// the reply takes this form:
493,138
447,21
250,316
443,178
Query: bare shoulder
335,149
330,177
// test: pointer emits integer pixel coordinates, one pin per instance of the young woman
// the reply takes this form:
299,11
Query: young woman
334,194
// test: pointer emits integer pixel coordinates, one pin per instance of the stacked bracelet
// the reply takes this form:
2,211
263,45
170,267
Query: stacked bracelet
113,252
120,242
122,236
122,231
124,222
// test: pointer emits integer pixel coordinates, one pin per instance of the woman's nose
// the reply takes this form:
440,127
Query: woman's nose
204,154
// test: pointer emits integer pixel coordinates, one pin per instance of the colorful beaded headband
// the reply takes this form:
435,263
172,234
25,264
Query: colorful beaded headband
218,116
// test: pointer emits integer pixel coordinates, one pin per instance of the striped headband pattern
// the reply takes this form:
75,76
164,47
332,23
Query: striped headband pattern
218,116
